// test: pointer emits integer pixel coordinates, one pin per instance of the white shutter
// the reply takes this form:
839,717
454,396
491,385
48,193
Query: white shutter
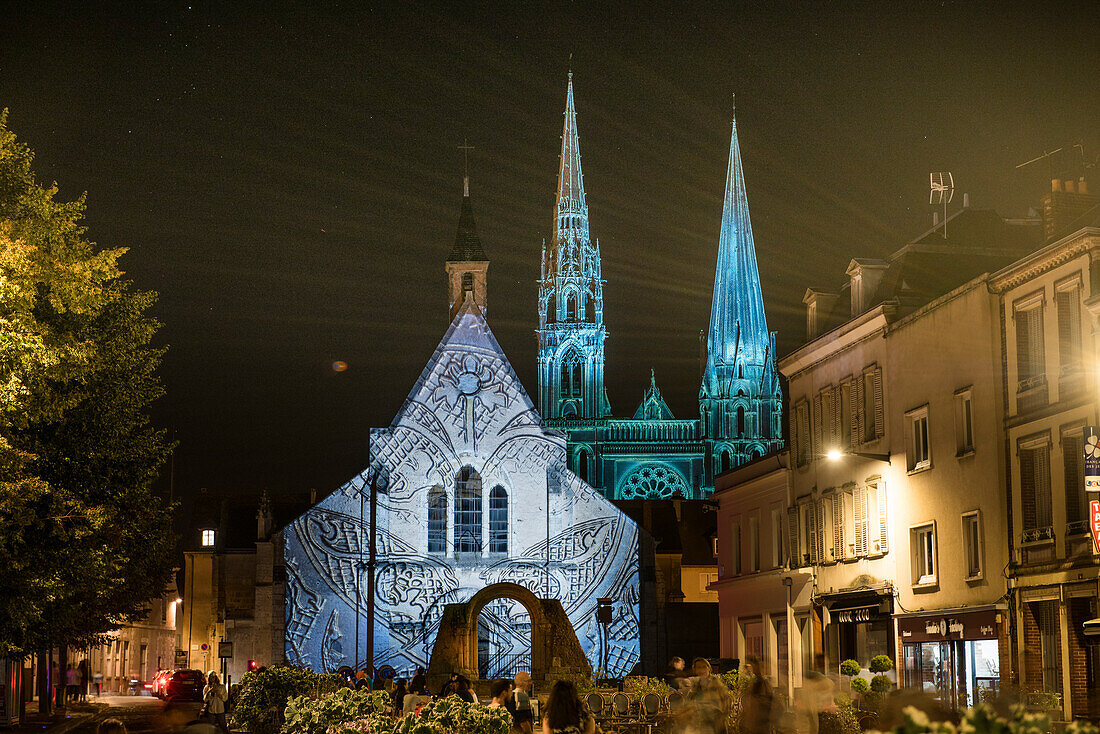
880,408
792,537
818,424
883,547
857,411
819,519
838,526
859,498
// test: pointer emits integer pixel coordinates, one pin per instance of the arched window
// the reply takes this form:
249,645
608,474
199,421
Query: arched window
590,310
726,462
467,511
437,520
571,307
498,520
551,308
566,390
467,281
582,465
578,377
740,420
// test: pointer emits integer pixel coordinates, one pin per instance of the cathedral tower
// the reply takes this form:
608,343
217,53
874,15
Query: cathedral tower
571,330
739,401
467,266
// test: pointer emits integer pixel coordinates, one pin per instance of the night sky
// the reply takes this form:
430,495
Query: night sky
288,178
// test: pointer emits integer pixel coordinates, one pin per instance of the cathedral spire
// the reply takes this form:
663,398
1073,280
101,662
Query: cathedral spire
467,266
738,328
572,209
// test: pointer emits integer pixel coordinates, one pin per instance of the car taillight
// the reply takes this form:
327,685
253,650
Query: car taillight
148,685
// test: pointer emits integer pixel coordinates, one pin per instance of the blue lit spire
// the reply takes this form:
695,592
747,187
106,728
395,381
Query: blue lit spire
739,399
571,330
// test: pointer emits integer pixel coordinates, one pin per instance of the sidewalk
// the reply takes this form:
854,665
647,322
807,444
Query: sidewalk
59,722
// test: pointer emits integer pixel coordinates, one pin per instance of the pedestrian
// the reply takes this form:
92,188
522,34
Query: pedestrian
399,694
419,683
214,697
708,698
98,677
450,687
566,713
463,690
756,706
72,683
111,726
82,672
675,674
523,715
501,691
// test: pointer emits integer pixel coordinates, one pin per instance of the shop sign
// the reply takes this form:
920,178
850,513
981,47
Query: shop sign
1092,460
866,614
1094,524
962,626
181,658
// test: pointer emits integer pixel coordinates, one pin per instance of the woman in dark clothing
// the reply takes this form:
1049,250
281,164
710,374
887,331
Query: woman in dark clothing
566,713
399,696
462,690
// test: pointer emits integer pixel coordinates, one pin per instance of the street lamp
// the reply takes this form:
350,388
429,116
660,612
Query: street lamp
837,455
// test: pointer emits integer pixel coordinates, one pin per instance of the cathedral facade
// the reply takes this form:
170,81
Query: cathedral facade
652,454
472,491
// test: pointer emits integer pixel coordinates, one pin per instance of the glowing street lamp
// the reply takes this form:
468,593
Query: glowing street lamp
837,455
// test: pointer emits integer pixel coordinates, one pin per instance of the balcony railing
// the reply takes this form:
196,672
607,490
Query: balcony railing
1038,535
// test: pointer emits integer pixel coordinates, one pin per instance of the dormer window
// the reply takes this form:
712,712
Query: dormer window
207,538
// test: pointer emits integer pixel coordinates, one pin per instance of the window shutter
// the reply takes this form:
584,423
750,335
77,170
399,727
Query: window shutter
857,411
1042,488
1072,458
838,430
792,537
880,410
1027,487
817,421
1069,327
883,546
819,520
838,526
859,498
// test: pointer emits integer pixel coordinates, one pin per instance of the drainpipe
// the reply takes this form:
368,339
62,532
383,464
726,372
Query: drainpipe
789,583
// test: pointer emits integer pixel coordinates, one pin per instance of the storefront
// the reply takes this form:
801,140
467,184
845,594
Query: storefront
858,627
953,656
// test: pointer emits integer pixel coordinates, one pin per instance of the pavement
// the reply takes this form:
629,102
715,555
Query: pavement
140,715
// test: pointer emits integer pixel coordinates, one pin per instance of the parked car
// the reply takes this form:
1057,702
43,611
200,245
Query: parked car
159,680
184,685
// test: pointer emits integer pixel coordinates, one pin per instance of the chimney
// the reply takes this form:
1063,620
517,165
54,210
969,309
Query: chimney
1055,184
1082,186
1068,199
1070,186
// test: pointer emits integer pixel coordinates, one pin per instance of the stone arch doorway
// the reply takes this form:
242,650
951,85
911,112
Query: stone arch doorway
555,648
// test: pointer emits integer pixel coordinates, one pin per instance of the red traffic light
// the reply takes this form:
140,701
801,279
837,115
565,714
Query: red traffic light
253,665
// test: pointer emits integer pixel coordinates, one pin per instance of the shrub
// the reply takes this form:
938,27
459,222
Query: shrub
639,685
262,696
860,685
308,715
452,715
850,668
841,721
881,664
983,719
881,684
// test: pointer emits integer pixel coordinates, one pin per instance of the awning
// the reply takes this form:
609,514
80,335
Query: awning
1092,627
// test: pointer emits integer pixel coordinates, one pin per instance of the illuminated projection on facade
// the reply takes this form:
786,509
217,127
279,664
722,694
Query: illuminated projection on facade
471,474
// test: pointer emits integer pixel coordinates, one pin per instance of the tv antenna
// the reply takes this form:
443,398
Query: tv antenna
941,189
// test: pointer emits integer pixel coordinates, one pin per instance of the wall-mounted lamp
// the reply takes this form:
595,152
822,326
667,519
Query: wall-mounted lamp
836,455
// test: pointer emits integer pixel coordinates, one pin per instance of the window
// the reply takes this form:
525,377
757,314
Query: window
468,511
1067,301
740,420
437,520
582,465
726,463
924,554
1073,463
735,547
845,414
714,546
848,520
871,406
467,281
972,538
1046,614
498,520
827,533
571,307
777,537
705,580
920,455
754,543
1030,367
590,309
964,423
1035,488
807,534
207,538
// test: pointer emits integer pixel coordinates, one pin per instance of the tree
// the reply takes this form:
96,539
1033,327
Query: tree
84,540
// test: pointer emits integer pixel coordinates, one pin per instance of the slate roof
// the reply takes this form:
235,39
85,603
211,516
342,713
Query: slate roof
467,246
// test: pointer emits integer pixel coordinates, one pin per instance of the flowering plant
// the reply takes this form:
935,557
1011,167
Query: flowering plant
452,715
306,715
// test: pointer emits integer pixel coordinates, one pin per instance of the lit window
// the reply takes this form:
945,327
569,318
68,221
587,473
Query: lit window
468,511
923,550
972,536
964,423
920,453
498,520
714,546
207,538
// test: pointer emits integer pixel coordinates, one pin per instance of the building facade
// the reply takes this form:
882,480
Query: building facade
472,492
136,651
652,454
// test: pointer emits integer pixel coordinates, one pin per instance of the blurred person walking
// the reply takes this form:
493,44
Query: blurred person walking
214,697
523,715
566,713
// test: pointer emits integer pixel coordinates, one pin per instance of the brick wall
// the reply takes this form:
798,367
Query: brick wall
1032,674
1084,696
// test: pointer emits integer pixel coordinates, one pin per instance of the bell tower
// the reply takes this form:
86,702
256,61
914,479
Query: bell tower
467,266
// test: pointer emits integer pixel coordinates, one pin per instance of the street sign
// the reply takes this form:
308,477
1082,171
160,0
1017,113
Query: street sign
225,649
1092,460
1094,524
181,658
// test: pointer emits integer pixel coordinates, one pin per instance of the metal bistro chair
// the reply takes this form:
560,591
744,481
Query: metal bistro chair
651,705
675,702
596,704
620,704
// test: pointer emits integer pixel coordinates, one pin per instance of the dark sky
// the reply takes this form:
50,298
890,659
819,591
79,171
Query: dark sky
287,178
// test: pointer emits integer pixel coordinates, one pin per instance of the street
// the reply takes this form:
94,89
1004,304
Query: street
140,714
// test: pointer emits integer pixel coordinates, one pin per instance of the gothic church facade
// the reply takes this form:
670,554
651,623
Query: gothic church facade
653,454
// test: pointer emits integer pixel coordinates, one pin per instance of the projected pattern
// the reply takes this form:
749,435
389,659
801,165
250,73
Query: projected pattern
467,410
